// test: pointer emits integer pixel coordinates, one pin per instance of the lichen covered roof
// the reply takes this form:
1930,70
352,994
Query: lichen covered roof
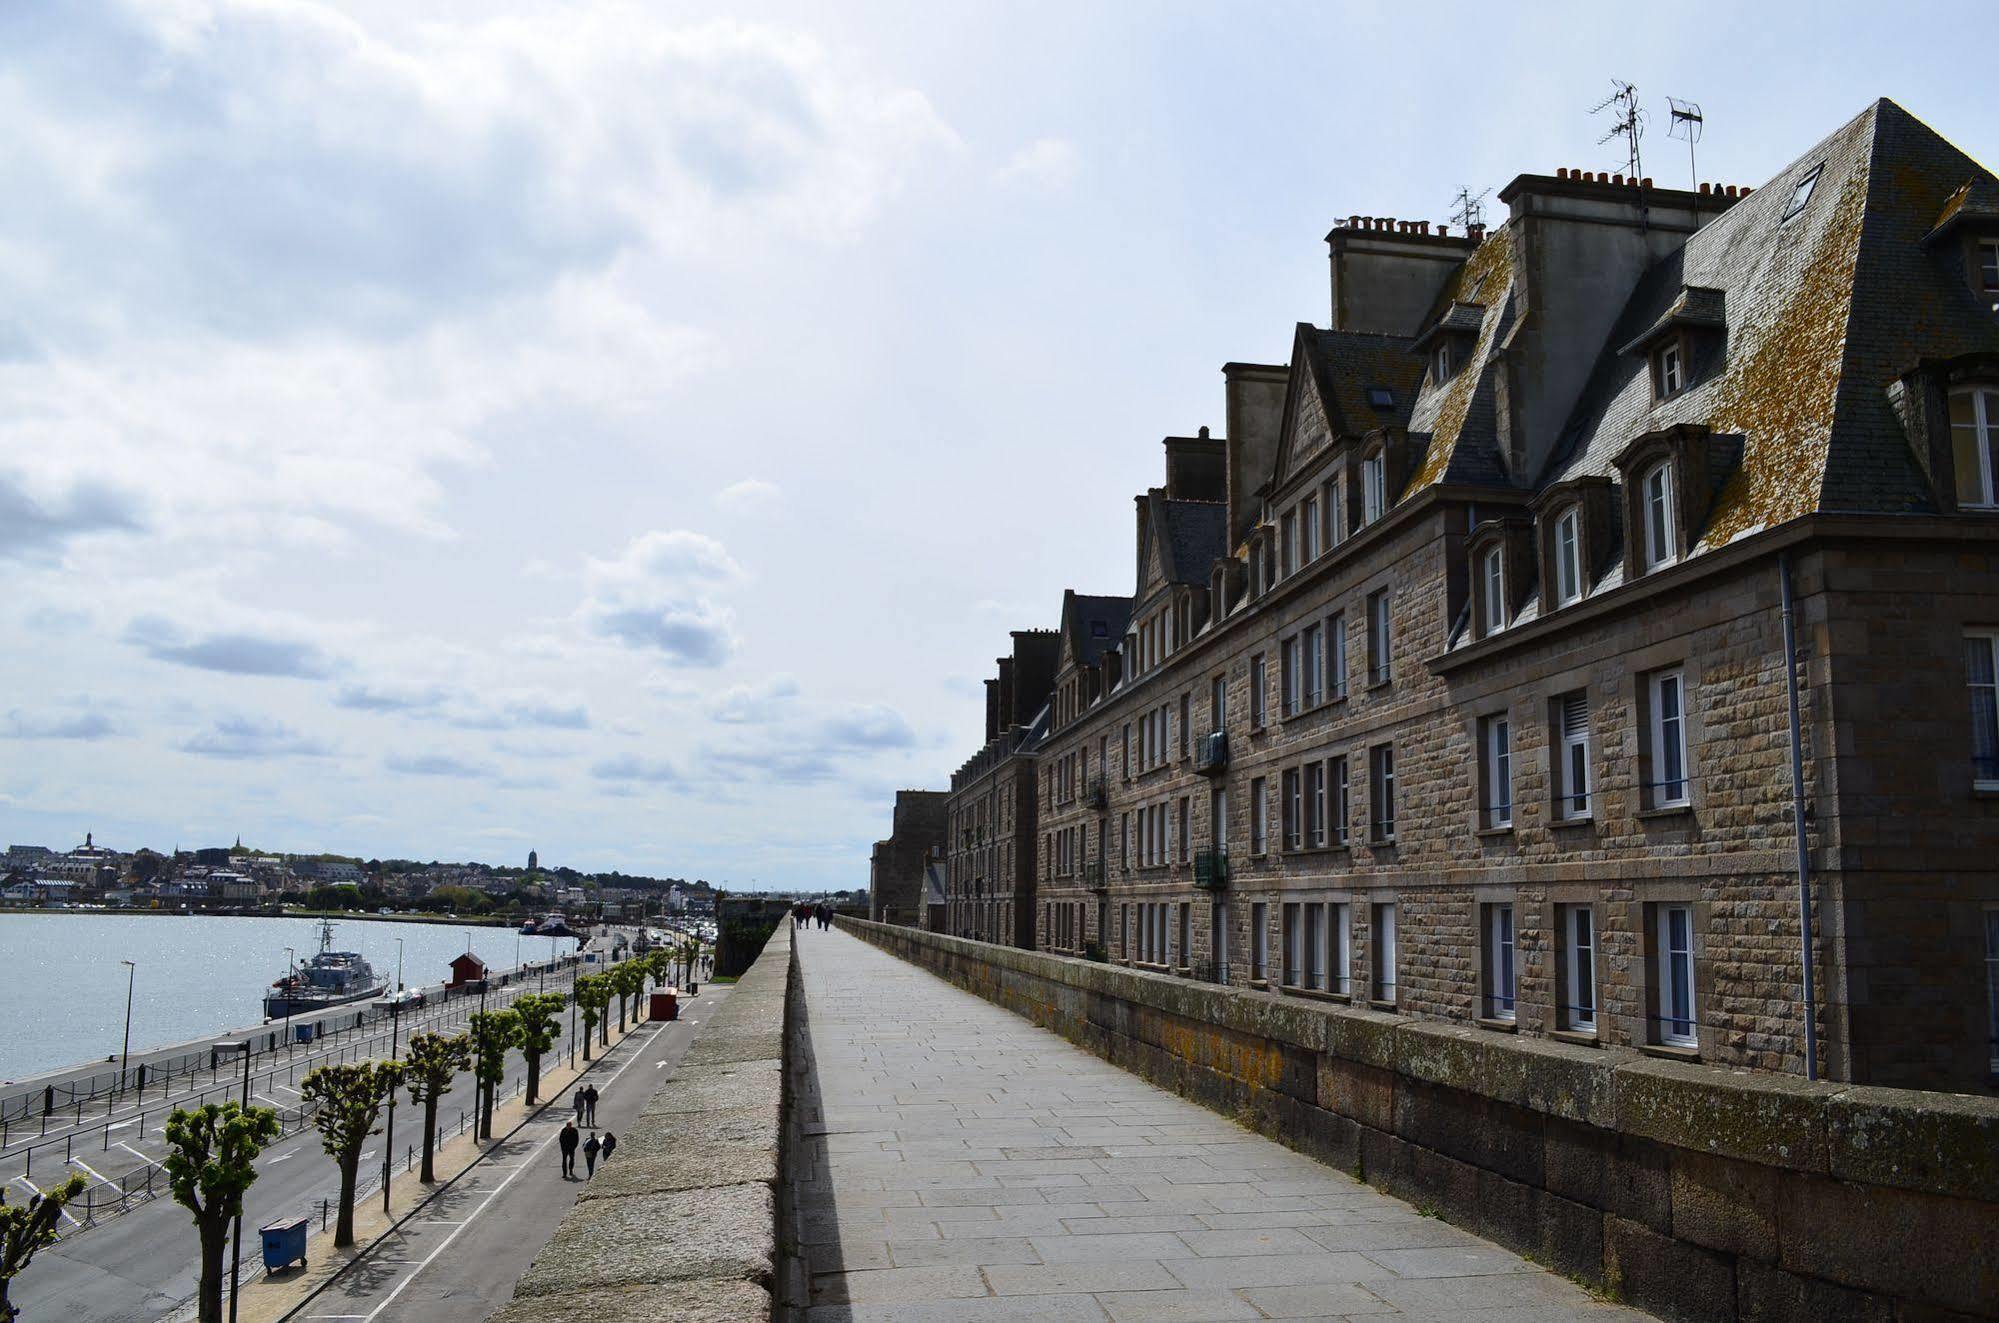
1461,408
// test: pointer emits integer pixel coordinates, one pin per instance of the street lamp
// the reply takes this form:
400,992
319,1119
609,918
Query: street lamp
291,967
395,1024
125,1053
236,1262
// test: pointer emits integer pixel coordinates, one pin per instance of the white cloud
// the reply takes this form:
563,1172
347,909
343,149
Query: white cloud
754,704
250,737
662,594
1046,163
748,496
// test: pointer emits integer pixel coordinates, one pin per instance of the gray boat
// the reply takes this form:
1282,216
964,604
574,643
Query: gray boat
328,979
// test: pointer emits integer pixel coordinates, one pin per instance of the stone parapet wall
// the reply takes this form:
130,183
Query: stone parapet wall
683,1226
1691,1190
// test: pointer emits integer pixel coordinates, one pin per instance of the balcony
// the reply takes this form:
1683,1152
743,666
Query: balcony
1211,753
1211,869
1096,796
1093,875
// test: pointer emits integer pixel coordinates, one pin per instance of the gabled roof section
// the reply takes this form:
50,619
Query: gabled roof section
1825,308
1975,201
1092,626
1349,382
1696,306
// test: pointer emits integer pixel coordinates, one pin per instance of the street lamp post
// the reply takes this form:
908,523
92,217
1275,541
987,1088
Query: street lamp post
125,1053
236,1261
291,967
389,1135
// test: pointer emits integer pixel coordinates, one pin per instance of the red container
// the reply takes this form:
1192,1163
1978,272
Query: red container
666,1005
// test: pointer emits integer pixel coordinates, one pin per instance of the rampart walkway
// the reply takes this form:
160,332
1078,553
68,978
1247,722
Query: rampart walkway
956,1162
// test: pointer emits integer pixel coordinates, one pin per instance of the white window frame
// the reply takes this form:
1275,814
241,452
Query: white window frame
1675,963
1259,684
1492,584
1312,666
1667,738
1572,772
1578,938
1569,557
1984,439
1502,972
1339,799
1382,989
1291,808
1669,371
1259,815
1339,948
1381,793
1982,645
1291,941
1291,679
1287,542
1380,639
1655,512
1496,746
1309,529
1259,941
1373,488
1336,656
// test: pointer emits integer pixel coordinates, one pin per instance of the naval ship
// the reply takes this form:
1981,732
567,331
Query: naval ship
328,979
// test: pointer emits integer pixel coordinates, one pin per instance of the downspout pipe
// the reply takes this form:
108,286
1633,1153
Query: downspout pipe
1798,819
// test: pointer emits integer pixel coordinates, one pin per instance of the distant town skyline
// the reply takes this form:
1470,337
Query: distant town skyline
428,431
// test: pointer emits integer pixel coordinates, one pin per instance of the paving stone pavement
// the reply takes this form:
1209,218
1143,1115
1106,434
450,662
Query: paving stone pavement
955,1162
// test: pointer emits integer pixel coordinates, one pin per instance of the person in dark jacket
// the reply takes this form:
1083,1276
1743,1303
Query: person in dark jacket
566,1141
580,1101
610,1142
590,1150
590,1106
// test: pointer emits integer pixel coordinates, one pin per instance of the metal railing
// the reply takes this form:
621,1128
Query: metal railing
1211,869
1211,752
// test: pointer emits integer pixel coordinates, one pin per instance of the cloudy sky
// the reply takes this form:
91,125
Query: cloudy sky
629,431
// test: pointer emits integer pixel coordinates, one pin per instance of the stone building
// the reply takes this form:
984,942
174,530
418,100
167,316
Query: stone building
1459,679
895,875
989,886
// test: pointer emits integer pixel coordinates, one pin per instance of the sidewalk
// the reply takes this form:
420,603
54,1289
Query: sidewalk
957,1163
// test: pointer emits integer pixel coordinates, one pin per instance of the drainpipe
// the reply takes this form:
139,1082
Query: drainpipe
1798,821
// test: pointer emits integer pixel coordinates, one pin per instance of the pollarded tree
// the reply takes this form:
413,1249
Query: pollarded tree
25,1228
593,994
349,1098
493,1032
211,1160
540,1015
428,1073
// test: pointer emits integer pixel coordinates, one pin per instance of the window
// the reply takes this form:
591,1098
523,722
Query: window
1674,956
1186,837
1373,488
1655,491
1801,193
1578,975
1981,674
1259,824
1290,808
1257,684
1992,982
1218,819
1311,665
1293,945
1218,939
1341,805
1974,444
1315,805
1336,511
1127,751
1336,657
1492,584
1290,674
1309,529
1381,775
1572,756
1218,703
1339,950
1568,557
1287,539
1668,372
1988,265
1380,648
1443,361
1384,953
1496,770
1186,944
1666,695
1259,941
1499,972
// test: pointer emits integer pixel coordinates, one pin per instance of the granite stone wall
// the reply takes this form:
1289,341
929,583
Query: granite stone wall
1690,1190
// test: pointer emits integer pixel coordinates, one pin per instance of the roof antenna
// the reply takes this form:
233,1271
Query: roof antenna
1469,211
1630,124
1686,124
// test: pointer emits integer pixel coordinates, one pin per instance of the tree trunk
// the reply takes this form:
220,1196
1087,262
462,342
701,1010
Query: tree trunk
214,1236
621,1012
350,1165
534,1079
429,1173
589,1032
486,1112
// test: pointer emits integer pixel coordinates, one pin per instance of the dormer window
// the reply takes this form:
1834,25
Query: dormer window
1492,579
1373,487
1443,361
1655,495
1569,556
1988,265
1669,370
1974,438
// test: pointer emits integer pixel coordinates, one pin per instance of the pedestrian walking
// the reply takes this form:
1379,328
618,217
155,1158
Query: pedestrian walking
610,1142
581,1101
590,1150
590,1106
566,1141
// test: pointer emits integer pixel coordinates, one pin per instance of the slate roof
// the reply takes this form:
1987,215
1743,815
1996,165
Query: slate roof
1345,365
1458,421
1193,534
1696,306
1082,613
1824,310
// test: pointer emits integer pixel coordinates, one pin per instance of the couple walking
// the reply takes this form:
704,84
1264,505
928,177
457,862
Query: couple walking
593,1148
586,1107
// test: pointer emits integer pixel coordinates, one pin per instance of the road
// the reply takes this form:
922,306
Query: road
457,1258
141,1264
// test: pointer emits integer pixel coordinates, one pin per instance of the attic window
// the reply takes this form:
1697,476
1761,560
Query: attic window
1444,361
1801,193
1099,630
1381,397
1669,370
1988,265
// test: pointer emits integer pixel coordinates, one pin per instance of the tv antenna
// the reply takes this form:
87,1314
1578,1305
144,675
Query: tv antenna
1469,211
1686,124
1630,124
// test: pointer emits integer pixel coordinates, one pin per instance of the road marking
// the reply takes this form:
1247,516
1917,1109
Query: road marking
133,1151
25,1183
92,1170
122,1124
286,1158
491,1198
369,1154
289,1089
272,1101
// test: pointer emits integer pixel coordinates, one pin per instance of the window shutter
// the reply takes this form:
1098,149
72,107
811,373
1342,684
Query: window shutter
1575,715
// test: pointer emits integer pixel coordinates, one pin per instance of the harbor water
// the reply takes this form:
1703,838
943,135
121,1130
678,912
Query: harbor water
197,974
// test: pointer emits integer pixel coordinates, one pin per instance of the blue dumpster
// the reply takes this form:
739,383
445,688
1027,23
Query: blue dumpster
303,1032
284,1244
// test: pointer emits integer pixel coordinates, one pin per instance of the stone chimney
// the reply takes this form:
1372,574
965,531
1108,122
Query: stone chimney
1386,273
1254,416
1196,468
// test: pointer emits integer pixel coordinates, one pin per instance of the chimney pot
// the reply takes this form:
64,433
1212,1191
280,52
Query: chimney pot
1204,431
1617,179
1443,231
1646,182
1704,190
1561,172
1731,190
1746,190
1603,176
